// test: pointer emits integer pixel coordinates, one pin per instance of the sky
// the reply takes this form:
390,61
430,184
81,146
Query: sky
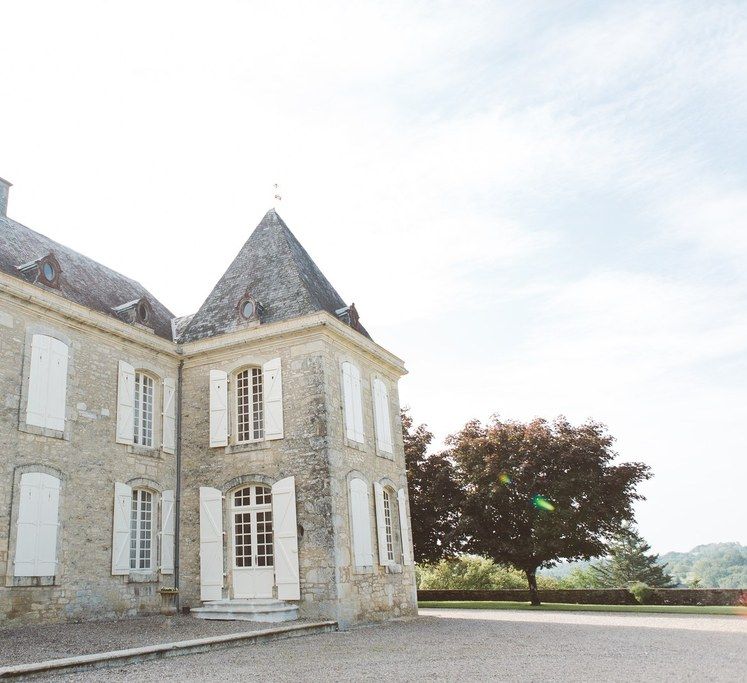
540,207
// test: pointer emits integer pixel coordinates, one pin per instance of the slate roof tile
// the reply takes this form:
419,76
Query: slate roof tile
275,270
82,279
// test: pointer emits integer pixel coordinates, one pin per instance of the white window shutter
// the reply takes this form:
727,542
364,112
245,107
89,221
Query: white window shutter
382,416
169,415
121,529
211,544
272,386
361,523
27,525
46,548
347,398
125,403
352,403
380,523
36,537
404,527
167,532
218,408
57,388
286,539
38,390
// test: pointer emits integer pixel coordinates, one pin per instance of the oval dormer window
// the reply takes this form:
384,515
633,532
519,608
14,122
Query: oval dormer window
247,309
142,312
49,271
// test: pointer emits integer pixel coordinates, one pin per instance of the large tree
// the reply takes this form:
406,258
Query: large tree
630,561
539,492
434,495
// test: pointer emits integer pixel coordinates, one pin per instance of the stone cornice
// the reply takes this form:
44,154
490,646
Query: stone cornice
320,324
29,294
317,324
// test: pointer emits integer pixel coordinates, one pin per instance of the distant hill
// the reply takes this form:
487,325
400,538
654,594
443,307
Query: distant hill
717,565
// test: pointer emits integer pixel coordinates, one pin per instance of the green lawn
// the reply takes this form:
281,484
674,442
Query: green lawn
566,607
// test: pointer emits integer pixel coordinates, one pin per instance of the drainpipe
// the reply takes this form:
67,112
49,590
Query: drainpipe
178,492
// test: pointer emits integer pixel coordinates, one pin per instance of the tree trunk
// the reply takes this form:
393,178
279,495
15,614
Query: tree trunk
532,581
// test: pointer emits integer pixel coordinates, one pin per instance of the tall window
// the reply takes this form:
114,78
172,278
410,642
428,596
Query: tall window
252,524
249,395
143,419
141,530
388,524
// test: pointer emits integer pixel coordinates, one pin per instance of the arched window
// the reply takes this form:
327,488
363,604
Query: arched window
249,401
141,530
143,413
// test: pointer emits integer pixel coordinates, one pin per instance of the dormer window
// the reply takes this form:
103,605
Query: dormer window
138,311
48,272
249,308
349,315
45,270
143,312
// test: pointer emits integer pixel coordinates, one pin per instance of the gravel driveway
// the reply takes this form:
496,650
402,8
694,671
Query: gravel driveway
479,645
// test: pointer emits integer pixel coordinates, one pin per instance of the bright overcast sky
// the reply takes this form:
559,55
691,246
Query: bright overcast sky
541,207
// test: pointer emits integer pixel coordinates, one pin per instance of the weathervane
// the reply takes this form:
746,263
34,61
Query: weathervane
276,195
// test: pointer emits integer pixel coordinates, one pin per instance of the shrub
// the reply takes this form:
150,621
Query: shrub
468,572
641,592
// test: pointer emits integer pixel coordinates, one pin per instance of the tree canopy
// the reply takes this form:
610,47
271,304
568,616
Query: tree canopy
630,561
534,493
435,498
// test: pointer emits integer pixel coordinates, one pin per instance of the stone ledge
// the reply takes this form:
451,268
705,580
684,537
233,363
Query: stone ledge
139,654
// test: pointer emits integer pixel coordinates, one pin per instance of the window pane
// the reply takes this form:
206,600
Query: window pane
143,410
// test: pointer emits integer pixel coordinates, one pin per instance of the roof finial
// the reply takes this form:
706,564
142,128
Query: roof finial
276,198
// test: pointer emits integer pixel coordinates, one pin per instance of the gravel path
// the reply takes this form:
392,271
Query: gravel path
52,641
453,646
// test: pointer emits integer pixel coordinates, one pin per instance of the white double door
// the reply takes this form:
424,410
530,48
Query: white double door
261,542
252,547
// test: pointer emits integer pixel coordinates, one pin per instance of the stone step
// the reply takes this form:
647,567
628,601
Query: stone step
247,610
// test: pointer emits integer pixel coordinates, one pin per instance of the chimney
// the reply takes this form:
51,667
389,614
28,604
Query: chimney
4,190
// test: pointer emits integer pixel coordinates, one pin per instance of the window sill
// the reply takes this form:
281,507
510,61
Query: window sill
43,431
247,447
144,450
366,569
143,576
355,445
31,581
394,568
386,456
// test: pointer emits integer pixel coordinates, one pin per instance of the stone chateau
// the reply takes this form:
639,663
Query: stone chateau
242,462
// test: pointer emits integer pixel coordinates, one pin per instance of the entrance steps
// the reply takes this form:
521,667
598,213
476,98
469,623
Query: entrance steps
267,609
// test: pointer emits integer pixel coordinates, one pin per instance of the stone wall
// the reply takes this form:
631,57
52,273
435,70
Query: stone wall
377,592
302,453
87,461
603,596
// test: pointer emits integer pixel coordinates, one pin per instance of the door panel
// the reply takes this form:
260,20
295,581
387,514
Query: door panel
253,573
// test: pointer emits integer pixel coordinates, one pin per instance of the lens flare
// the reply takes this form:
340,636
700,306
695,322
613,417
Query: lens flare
504,478
542,503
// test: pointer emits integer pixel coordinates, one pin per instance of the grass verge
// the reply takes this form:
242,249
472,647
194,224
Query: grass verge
567,607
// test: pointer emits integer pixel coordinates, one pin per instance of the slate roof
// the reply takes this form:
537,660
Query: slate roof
275,270
82,279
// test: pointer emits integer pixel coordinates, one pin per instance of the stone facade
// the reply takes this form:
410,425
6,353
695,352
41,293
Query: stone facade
87,461
311,346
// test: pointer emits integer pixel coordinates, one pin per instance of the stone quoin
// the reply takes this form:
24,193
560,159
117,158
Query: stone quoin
249,455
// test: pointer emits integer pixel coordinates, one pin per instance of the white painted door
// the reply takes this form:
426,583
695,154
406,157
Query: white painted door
252,542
